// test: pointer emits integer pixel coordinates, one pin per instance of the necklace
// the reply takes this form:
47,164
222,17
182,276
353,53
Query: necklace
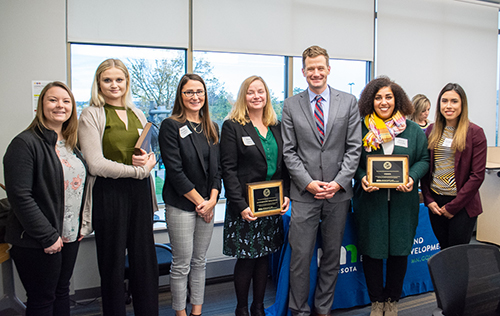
195,127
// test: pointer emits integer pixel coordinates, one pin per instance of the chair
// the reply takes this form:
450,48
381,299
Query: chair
164,258
9,300
466,280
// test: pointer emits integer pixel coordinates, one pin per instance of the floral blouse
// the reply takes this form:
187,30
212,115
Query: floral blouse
74,180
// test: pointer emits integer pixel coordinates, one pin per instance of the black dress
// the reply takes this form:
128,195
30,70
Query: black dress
243,160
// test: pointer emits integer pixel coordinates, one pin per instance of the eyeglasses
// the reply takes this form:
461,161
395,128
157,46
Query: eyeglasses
191,94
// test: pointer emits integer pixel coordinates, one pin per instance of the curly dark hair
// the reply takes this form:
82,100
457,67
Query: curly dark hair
365,104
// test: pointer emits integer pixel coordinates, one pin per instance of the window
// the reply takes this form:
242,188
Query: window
225,72
498,82
155,73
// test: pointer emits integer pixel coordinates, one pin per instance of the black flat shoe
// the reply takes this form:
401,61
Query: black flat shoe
257,310
242,311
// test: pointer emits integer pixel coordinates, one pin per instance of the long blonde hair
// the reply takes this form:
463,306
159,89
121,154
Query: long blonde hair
460,137
239,112
97,99
179,111
69,128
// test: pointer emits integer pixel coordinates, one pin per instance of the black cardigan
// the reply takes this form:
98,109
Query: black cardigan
35,187
242,164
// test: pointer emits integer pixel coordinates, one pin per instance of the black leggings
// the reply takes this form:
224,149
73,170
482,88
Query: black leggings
395,275
451,232
246,270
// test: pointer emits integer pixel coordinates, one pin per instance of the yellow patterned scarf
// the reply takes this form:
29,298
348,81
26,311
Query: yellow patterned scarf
382,132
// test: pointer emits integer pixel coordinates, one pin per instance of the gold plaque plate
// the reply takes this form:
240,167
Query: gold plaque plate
387,171
265,198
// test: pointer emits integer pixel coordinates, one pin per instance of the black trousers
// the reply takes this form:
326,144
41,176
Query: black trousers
451,232
46,278
394,278
123,222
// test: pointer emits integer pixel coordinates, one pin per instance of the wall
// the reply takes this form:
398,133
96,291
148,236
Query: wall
33,47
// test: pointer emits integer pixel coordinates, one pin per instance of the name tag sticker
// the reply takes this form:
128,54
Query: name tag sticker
401,142
447,142
184,131
247,141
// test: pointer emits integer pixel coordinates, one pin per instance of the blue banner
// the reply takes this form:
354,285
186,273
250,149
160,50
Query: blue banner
351,287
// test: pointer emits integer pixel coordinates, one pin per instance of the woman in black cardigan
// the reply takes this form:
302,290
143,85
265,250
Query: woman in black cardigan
189,145
45,176
251,151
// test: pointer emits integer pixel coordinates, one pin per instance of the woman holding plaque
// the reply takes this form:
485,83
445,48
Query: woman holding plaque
45,176
458,160
387,219
251,151
189,144
121,193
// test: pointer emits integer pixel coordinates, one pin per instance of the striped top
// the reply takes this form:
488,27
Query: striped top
443,176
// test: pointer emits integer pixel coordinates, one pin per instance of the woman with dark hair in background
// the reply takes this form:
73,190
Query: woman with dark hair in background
189,144
251,151
458,161
121,193
422,105
45,176
387,219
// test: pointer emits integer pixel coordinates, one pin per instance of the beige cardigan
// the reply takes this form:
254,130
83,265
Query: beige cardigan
90,132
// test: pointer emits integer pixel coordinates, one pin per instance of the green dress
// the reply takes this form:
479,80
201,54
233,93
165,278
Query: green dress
384,230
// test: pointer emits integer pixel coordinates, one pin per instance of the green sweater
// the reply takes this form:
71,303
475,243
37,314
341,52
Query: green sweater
384,231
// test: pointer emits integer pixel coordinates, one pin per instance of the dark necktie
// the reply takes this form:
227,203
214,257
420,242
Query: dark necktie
318,115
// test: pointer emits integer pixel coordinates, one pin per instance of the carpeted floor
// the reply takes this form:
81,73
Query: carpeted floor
221,301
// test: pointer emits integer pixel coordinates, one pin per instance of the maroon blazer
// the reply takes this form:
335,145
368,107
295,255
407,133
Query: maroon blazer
470,166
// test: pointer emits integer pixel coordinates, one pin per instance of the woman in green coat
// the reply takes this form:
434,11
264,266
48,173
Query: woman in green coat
386,219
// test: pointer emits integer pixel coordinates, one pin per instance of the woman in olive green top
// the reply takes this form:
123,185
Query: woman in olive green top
120,192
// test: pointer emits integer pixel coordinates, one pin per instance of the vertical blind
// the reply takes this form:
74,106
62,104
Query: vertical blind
163,23
427,43
285,27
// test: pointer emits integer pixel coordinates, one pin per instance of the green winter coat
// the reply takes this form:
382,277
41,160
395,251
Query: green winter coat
383,231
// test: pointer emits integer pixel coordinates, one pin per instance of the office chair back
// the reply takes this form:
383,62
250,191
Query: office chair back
466,279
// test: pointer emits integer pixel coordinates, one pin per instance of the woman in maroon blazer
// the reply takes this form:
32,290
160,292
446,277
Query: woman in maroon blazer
458,161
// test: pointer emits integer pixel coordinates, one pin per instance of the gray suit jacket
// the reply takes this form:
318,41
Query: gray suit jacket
307,159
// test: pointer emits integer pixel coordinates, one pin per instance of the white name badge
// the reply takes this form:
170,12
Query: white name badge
447,142
401,142
247,141
184,131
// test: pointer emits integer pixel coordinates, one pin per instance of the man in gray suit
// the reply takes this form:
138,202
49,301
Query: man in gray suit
322,145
